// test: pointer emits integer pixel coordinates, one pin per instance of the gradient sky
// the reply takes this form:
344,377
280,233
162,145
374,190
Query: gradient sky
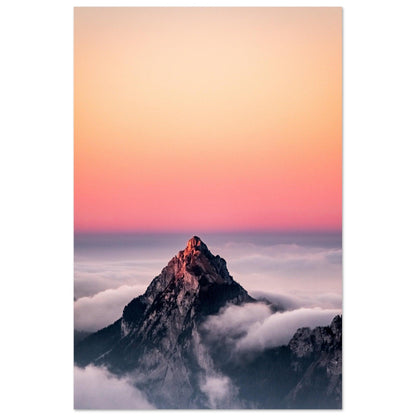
208,119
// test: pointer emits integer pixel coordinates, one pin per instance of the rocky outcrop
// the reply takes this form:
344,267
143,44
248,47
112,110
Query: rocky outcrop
317,358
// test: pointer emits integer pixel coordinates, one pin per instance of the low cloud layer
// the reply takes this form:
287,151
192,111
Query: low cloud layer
234,321
293,271
254,327
108,261
291,301
96,388
279,328
94,276
285,267
96,312
267,262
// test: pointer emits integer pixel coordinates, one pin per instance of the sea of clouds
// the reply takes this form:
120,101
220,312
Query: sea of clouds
294,271
298,277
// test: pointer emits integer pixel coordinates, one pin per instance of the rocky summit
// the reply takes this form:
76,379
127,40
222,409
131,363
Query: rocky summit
157,342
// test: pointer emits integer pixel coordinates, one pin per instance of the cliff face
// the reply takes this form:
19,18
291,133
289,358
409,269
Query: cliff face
317,359
157,342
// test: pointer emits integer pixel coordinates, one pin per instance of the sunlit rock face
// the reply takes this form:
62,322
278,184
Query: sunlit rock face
194,283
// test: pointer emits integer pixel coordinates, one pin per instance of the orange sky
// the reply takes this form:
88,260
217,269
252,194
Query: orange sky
199,119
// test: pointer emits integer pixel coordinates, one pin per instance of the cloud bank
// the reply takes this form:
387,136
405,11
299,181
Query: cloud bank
96,388
269,262
291,301
293,271
96,312
279,328
254,327
285,267
94,276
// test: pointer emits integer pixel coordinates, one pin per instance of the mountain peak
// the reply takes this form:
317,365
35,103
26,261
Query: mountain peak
160,325
196,262
194,282
195,244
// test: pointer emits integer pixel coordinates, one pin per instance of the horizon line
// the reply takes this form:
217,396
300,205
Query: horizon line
223,231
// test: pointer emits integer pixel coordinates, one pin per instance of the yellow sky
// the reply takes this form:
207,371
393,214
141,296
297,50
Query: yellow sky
243,105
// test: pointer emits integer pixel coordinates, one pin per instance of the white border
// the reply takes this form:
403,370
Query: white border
379,204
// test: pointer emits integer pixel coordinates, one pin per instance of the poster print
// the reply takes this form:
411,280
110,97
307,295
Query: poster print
208,208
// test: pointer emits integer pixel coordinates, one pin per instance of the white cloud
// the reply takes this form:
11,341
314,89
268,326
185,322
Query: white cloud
218,389
285,267
258,262
253,327
96,312
279,328
290,301
93,276
235,320
96,388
